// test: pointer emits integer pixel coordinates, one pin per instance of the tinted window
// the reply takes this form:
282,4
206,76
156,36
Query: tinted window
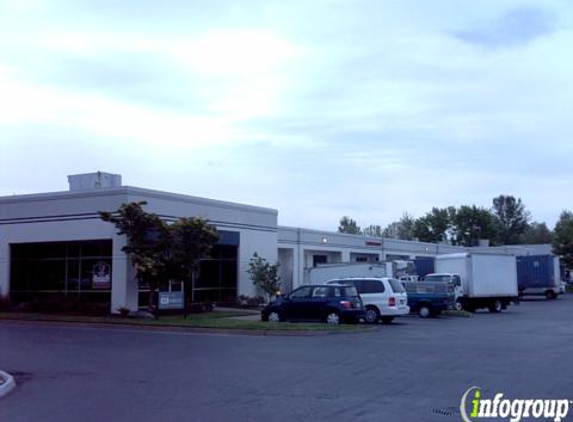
373,286
396,286
320,292
350,291
300,293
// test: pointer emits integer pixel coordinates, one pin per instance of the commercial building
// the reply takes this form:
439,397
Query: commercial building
54,244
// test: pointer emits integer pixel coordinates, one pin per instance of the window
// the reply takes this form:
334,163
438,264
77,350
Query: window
301,293
396,286
373,286
53,269
320,292
319,259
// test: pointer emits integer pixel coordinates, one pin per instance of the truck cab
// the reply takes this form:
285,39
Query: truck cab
453,280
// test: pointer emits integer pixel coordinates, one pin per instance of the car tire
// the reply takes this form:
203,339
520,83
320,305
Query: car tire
550,295
495,307
332,318
371,315
458,306
425,311
274,316
387,319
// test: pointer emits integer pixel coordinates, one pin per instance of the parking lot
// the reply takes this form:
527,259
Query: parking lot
413,370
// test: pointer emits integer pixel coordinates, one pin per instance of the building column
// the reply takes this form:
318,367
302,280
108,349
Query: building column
4,269
124,291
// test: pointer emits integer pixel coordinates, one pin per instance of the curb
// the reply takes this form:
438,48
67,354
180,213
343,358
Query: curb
7,384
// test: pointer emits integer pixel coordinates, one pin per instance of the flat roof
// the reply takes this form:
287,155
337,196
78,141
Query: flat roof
131,190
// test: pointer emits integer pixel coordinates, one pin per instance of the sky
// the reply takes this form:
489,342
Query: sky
316,108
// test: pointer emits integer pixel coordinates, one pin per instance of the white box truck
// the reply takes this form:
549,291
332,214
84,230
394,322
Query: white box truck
325,272
481,280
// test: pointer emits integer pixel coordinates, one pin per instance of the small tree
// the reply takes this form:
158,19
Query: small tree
265,276
158,251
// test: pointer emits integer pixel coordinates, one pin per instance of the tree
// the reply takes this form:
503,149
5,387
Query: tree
512,218
348,225
372,231
563,238
470,224
401,229
265,276
536,234
434,226
158,251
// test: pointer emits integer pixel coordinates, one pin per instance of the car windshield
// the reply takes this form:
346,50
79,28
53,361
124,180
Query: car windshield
396,286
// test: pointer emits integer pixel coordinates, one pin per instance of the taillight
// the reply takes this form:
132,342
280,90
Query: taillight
346,304
392,301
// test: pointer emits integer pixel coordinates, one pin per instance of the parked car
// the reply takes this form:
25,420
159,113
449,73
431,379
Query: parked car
330,303
384,298
428,298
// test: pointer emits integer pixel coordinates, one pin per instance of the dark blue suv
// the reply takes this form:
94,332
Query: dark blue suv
330,303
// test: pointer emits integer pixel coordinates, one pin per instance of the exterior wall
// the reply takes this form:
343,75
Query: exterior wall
303,244
70,216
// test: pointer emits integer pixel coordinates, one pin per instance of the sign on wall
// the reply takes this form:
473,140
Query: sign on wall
101,276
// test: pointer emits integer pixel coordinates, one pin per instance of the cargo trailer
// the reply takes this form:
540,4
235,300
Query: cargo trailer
480,280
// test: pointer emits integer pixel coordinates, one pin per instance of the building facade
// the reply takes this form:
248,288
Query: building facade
54,244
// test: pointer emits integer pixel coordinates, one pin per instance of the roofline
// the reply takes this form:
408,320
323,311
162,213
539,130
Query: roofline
131,190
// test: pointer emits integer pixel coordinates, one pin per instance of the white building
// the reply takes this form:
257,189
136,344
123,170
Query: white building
55,244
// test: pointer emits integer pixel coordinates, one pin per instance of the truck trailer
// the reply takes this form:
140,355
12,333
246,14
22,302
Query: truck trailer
480,280
539,275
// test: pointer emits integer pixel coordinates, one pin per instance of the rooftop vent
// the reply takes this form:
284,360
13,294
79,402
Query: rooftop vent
90,181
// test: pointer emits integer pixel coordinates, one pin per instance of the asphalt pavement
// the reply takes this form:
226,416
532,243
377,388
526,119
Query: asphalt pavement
411,370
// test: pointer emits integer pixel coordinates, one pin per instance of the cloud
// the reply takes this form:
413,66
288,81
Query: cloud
517,27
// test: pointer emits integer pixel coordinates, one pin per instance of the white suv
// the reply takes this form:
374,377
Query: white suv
384,298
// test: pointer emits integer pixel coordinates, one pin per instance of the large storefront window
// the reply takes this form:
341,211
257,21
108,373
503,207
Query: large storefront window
54,269
217,278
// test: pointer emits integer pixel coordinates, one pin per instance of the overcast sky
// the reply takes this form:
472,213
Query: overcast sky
318,108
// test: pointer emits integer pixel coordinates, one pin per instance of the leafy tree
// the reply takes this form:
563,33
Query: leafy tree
158,251
434,226
349,226
563,238
265,276
373,231
470,224
401,229
536,234
512,218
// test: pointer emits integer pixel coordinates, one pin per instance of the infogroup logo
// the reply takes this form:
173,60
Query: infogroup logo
474,406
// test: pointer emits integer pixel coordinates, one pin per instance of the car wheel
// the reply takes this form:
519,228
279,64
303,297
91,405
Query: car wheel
550,294
425,311
274,316
496,307
333,318
371,316
458,306
387,319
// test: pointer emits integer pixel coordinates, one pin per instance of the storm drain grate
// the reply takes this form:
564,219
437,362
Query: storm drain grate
446,411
